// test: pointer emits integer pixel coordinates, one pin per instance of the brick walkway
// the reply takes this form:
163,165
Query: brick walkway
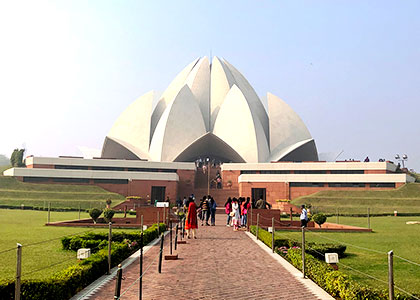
220,264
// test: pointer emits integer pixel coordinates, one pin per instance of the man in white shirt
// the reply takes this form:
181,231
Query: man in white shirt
303,216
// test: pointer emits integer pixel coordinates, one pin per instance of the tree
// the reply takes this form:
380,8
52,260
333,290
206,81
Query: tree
319,219
94,213
16,159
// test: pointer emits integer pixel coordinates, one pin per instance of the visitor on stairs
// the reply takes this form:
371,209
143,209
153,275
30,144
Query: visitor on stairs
228,210
191,219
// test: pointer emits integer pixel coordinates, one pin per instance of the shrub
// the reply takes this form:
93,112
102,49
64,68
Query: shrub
94,213
66,283
108,214
319,219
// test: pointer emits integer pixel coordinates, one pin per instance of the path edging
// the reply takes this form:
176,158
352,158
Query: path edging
308,283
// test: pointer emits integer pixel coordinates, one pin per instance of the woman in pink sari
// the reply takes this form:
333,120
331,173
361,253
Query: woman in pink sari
191,219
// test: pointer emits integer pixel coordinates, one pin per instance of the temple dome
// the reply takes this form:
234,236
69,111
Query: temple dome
209,110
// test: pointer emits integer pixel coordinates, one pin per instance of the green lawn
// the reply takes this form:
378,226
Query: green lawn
27,227
390,233
405,199
16,193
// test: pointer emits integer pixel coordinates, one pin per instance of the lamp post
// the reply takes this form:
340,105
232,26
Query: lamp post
402,158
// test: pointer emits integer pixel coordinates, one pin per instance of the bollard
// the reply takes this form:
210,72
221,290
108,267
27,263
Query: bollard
250,223
80,208
303,251
18,271
160,254
176,235
338,217
291,216
258,221
272,234
368,215
118,283
141,267
391,274
170,238
109,247
183,227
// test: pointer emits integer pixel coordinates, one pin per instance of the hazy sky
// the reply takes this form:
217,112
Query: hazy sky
350,69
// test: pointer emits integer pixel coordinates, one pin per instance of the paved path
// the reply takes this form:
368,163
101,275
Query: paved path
220,264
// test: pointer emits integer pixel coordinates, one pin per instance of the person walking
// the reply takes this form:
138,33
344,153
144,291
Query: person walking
236,214
213,207
303,216
191,219
205,211
244,211
228,210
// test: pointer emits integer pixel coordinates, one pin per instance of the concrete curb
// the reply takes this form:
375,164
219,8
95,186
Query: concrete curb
92,288
309,284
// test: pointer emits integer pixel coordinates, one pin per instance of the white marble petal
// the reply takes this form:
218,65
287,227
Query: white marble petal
180,125
221,82
251,96
199,82
237,127
286,127
132,127
170,93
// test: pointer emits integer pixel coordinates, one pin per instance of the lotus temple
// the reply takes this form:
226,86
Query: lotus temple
210,123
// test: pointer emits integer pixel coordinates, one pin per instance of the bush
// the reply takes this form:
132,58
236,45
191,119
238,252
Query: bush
94,213
66,283
108,214
319,219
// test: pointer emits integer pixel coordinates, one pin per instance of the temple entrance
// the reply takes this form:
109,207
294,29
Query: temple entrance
258,193
158,193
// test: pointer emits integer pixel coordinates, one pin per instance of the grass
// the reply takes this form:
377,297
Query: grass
16,193
405,199
390,233
27,227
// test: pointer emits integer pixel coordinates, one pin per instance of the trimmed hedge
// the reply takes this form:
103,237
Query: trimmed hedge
317,250
64,284
336,283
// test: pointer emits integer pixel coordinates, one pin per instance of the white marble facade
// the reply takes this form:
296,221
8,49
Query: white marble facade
209,109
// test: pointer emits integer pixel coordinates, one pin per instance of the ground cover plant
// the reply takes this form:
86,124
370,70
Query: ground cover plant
64,282
405,199
27,227
14,193
390,233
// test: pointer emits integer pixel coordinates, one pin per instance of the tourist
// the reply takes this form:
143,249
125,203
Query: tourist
205,211
303,216
191,219
244,211
367,159
185,204
228,210
213,207
236,212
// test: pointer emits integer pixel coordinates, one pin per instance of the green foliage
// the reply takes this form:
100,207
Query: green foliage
66,283
108,214
16,159
319,219
336,283
94,213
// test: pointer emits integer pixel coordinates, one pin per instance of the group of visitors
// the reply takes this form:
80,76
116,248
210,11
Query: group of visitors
204,211
237,212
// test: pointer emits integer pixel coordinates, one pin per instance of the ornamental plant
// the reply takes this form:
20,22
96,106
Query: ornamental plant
319,219
108,214
94,213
